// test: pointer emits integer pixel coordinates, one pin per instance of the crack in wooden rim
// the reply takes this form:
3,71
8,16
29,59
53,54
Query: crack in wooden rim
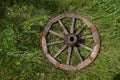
82,64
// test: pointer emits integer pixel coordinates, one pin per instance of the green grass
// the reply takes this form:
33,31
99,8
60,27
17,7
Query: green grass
21,22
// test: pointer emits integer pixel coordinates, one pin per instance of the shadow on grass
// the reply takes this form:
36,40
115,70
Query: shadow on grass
51,6
117,77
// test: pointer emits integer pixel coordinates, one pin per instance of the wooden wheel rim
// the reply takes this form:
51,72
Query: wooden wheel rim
82,64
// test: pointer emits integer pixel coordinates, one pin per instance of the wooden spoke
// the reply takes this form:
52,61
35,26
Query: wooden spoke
69,54
80,29
86,47
72,25
78,54
60,51
57,34
56,42
64,29
87,36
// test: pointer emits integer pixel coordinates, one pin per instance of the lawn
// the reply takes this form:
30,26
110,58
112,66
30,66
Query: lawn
22,21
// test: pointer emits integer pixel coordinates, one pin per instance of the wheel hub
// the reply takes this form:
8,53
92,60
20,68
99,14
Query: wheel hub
71,40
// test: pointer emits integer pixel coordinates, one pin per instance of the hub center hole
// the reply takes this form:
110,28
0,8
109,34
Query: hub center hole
71,39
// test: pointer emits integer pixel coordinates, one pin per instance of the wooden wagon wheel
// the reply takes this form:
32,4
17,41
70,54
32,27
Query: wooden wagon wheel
71,40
